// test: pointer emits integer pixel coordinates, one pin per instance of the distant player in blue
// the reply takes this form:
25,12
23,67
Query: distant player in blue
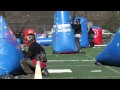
78,31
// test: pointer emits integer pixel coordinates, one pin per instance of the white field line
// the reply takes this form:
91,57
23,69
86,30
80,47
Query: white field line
96,71
74,65
61,60
112,69
95,77
59,71
90,57
68,60
106,66
87,60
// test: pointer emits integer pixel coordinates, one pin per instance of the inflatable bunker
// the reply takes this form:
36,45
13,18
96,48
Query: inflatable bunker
111,53
84,40
43,39
10,50
98,35
63,40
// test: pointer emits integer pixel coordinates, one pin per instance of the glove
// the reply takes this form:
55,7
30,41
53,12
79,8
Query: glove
37,57
43,56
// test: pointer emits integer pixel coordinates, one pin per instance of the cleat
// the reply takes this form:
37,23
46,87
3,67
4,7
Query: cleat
45,72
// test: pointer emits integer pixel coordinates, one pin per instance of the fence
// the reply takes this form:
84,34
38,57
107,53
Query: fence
37,28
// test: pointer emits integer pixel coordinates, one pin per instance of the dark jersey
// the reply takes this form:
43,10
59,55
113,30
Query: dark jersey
77,28
33,50
91,33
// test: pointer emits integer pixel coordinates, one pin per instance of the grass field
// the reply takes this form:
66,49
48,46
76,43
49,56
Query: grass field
79,66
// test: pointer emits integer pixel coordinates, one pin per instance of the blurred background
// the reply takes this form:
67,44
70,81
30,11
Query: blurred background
43,20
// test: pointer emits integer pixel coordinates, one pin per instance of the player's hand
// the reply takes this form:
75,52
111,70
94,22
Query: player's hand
22,46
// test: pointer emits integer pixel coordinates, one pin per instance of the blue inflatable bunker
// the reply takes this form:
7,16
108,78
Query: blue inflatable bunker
45,41
63,40
111,53
84,40
10,51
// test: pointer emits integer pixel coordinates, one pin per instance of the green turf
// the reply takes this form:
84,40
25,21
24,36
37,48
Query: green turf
80,69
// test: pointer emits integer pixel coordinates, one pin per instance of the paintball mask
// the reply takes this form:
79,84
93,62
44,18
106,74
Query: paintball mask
31,38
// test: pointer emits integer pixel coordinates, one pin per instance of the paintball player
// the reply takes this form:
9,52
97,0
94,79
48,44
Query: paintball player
28,63
20,36
77,28
91,35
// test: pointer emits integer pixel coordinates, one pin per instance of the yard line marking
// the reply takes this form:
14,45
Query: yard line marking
84,65
74,65
112,69
87,60
90,57
95,77
61,60
59,71
67,60
96,71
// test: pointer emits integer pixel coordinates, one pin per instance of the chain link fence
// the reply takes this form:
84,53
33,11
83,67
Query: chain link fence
47,28
43,21
20,27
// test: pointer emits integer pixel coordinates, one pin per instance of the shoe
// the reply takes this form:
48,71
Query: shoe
45,72
82,52
7,76
98,63
20,77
